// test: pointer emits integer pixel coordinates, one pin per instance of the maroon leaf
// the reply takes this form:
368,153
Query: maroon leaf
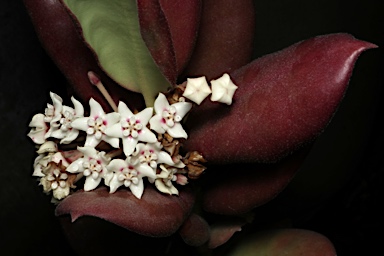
195,231
59,36
236,189
225,39
284,100
155,214
286,242
157,36
183,18
222,231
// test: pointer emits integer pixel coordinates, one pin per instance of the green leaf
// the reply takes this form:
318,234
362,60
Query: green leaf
111,29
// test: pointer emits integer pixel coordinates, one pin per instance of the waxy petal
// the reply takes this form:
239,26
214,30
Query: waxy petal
284,100
91,183
138,215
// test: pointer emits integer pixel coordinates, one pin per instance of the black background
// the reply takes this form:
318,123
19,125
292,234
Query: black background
338,191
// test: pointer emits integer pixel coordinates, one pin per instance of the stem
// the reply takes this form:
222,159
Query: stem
96,82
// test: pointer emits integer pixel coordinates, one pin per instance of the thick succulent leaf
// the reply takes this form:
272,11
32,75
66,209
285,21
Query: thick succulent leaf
284,100
223,230
155,214
183,19
195,230
285,242
157,37
225,38
112,30
94,236
241,187
60,38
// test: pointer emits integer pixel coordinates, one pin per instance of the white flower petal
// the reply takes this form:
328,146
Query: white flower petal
115,184
146,135
161,103
146,171
112,118
182,108
138,189
91,183
76,166
197,89
79,109
96,109
80,123
114,142
157,124
116,165
129,144
124,110
61,193
223,89
70,136
114,131
177,131
144,116
165,158
91,141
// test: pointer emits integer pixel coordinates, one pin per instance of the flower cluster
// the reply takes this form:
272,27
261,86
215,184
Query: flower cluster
150,143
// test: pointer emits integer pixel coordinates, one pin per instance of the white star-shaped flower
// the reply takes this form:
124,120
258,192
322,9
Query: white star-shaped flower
92,165
45,152
55,178
63,128
96,124
130,174
168,117
223,89
197,89
39,129
152,155
132,128
165,179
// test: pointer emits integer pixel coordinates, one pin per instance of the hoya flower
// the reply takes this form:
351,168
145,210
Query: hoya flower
164,180
53,112
152,155
197,89
96,124
46,150
168,117
92,165
130,174
62,128
55,178
223,89
132,128
39,129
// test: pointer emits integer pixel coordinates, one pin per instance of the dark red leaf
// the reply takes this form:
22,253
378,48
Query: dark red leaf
225,39
195,231
61,39
222,231
155,214
284,100
157,36
238,188
183,19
